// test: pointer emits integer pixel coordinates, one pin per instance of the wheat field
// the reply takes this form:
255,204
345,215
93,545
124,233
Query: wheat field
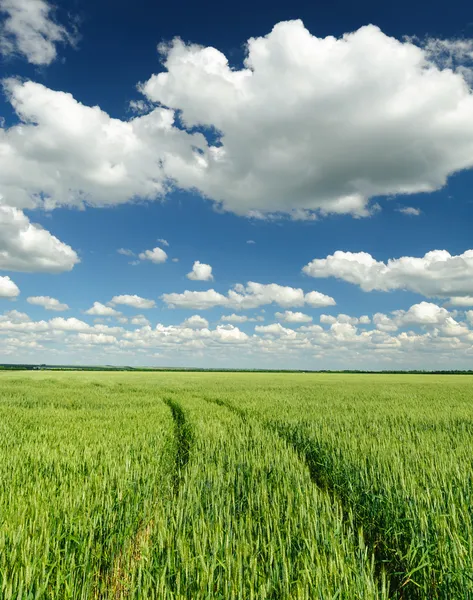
235,486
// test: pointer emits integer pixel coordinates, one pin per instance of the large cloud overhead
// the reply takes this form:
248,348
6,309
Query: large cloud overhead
308,124
318,123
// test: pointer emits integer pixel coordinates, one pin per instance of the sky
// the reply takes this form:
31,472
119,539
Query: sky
261,185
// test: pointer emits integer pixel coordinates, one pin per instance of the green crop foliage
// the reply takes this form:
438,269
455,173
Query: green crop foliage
235,486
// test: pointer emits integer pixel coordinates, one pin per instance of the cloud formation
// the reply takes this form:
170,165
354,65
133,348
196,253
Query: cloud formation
288,316
318,123
253,295
436,274
133,301
424,334
8,289
200,272
48,303
308,124
101,310
26,246
156,255
30,30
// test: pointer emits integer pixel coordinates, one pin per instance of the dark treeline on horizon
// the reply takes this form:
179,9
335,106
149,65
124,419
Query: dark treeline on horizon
44,367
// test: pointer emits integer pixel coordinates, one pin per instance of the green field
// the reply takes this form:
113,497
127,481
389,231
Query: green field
235,486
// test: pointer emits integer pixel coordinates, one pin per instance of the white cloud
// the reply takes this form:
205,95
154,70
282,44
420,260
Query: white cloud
197,300
384,323
14,316
63,153
455,54
163,242
156,255
25,246
196,322
461,301
317,299
349,119
200,272
317,123
8,289
410,210
253,295
233,318
229,334
125,252
444,340
424,313
30,30
71,324
275,329
96,338
288,316
437,274
341,318
139,320
48,303
101,310
250,242
133,300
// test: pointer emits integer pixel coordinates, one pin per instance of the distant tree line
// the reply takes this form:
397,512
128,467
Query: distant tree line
44,367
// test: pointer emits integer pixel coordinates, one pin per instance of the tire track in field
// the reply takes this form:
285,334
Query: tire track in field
119,586
385,561
184,441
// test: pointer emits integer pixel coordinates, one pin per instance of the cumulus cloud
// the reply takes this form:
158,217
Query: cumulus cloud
253,295
200,272
133,301
461,301
275,329
14,316
96,338
423,335
196,322
25,246
156,255
29,29
197,300
139,320
48,303
436,274
8,289
318,123
308,124
233,318
63,153
71,324
341,318
102,310
288,316
317,300
163,242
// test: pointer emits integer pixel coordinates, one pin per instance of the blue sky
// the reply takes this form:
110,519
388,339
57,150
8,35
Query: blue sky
261,153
